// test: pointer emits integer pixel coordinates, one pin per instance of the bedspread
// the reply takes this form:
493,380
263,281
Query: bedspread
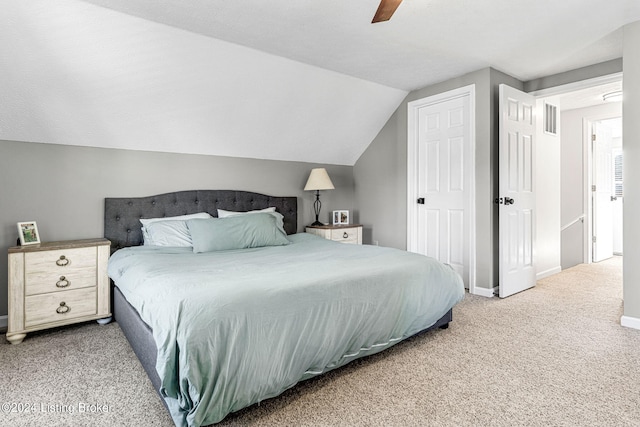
236,327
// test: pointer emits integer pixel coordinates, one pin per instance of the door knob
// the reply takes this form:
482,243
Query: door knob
507,201
420,201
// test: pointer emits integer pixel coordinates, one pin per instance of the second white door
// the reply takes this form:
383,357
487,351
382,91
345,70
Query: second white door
516,199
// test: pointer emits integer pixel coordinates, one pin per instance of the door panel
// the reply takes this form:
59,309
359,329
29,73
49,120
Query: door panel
516,198
456,164
432,236
456,237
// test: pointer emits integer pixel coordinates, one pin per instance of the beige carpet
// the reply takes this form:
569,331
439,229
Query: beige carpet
555,355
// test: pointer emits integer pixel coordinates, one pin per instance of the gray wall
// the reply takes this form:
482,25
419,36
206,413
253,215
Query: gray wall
380,174
597,70
62,187
631,147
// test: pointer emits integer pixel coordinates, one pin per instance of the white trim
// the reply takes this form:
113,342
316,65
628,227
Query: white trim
484,292
413,108
587,160
630,322
549,272
3,322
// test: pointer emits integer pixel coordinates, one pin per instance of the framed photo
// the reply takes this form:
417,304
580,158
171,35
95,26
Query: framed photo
28,232
340,217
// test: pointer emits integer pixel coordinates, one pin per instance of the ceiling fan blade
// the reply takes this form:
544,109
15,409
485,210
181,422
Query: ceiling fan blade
386,10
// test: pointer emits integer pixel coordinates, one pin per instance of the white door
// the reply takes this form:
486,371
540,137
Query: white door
440,195
516,199
602,192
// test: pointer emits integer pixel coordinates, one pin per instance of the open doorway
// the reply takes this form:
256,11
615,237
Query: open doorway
606,191
582,108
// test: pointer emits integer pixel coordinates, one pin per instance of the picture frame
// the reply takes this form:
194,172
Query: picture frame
28,232
340,217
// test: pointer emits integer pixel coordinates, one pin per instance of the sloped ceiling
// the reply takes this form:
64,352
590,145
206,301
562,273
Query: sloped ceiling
290,80
75,73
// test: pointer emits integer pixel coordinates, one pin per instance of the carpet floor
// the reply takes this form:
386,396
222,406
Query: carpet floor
554,355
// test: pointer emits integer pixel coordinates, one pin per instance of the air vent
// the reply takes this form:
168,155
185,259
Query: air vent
617,165
550,119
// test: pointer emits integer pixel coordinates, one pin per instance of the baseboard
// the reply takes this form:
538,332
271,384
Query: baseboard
3,322
484,292
630,322
547,273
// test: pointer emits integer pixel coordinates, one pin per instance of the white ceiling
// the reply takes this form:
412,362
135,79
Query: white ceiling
588,97
299,80
426,41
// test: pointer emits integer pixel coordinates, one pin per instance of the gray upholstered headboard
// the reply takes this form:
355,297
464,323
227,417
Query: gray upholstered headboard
122,215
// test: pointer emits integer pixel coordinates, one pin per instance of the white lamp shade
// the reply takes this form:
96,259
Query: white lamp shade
319,180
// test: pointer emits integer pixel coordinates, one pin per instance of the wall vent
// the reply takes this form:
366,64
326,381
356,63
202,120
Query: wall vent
550,119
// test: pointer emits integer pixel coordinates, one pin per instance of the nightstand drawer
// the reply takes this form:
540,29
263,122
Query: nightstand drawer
338,233
52,271
59,306
345,235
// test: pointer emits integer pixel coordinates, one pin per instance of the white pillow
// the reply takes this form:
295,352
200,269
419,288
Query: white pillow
224,214
169,231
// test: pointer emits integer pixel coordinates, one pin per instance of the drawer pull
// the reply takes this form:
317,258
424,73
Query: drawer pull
64,308
345,235
63,282
62,261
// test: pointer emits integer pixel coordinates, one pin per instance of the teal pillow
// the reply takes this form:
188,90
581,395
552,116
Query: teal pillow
235,232
279,217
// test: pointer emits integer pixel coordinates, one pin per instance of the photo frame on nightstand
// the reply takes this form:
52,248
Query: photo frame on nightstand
340,217
28,232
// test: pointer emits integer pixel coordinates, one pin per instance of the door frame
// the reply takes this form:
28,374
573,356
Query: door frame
587,131
413,109
586,151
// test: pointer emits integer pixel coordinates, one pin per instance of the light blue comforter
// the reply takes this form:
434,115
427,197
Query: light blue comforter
236,327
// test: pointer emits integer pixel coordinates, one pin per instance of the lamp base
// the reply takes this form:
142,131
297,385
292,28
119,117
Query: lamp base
316,223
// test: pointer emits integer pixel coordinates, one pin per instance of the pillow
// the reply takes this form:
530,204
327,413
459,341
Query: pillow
168,233
173,233
235,232
279,217
224,214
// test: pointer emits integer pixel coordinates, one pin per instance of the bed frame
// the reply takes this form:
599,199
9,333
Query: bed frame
122,228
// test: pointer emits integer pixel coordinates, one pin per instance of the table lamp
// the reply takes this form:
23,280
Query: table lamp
318,180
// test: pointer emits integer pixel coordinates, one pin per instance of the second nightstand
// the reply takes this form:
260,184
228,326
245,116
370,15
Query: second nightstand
351,233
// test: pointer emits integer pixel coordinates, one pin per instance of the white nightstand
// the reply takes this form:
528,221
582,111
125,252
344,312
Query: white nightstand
340,233
57,283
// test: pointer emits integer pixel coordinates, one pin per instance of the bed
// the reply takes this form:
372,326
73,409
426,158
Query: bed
219,329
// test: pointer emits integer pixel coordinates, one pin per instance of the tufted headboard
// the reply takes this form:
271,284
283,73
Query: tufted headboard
122,215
